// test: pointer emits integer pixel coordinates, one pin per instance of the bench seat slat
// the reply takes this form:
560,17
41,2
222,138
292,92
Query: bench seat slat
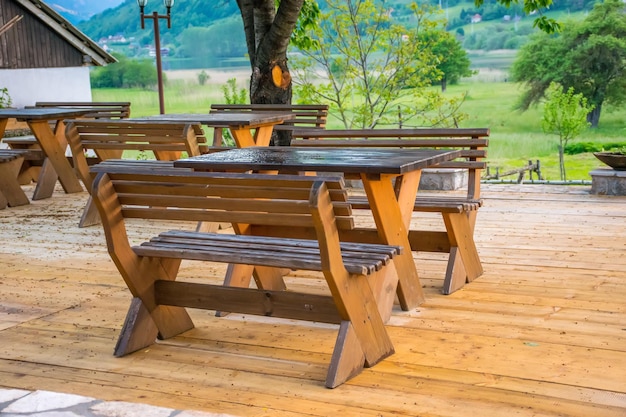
307,116
394,133
426,204
461,165
355,247
224,191
206,203
136,146
252,250
11,154
27,140
322,139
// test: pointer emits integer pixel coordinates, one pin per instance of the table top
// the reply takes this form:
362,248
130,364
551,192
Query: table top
346,160
248,118
44,113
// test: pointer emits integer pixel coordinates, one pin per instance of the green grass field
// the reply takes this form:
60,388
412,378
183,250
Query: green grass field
516,137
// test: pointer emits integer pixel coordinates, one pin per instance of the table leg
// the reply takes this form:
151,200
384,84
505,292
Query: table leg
54,148
392,225
265,277
244,138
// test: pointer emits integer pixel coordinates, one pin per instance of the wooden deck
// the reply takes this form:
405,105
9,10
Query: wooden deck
541,333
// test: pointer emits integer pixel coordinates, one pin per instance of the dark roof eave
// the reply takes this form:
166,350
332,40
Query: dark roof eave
69,32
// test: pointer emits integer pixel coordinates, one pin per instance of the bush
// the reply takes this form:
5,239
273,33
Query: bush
5,98
203,77
583,147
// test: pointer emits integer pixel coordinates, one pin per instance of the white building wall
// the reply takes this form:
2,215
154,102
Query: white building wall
27,86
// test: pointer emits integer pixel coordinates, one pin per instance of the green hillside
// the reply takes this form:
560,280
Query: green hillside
204,34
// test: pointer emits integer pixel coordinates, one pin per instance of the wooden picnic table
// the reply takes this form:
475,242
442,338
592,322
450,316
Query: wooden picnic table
53,143
250,128
390,179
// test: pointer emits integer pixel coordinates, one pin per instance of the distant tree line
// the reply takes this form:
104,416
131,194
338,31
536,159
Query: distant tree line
126,73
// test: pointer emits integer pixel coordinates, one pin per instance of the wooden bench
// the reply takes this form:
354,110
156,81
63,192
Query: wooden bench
11,160
102,110
458,211
109,139
309,116
245,200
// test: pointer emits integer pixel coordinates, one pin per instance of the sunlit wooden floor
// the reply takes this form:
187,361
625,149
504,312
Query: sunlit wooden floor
541,333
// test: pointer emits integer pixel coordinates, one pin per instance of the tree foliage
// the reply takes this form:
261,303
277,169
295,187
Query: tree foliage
452,61
125,73
588,56
542,22
372,69
565,115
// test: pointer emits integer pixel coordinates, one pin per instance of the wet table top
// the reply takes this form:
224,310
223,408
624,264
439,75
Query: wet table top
346,160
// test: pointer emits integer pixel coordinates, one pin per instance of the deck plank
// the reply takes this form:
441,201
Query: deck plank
541,333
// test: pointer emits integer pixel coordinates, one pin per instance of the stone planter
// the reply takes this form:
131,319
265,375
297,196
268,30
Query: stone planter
613,159
605,181
443,179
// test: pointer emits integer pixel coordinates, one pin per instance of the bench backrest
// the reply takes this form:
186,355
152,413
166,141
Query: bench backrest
102,109
109,139
309,116
190,196
471,142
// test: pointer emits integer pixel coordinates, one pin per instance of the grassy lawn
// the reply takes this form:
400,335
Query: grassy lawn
516,137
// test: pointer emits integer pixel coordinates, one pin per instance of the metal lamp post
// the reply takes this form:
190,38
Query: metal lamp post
157,41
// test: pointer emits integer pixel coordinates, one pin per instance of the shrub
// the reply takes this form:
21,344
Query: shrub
583,147
5,98
203,77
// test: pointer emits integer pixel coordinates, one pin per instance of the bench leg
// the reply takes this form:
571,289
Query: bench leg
3,201
348,359
46,181
384,285
362,327
463,263
455,277
90,215
9,185
54,148
146,317
131,340
29,173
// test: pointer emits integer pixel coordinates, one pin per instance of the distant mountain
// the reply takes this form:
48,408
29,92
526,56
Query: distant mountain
124,19
78,10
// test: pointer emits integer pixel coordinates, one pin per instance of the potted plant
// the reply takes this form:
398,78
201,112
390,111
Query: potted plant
615,158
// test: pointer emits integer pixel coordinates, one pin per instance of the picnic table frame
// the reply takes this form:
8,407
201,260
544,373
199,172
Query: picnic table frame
390,179
53,143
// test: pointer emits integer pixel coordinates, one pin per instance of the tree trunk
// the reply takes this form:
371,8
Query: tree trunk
594,116
268,32
444,84
562,162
